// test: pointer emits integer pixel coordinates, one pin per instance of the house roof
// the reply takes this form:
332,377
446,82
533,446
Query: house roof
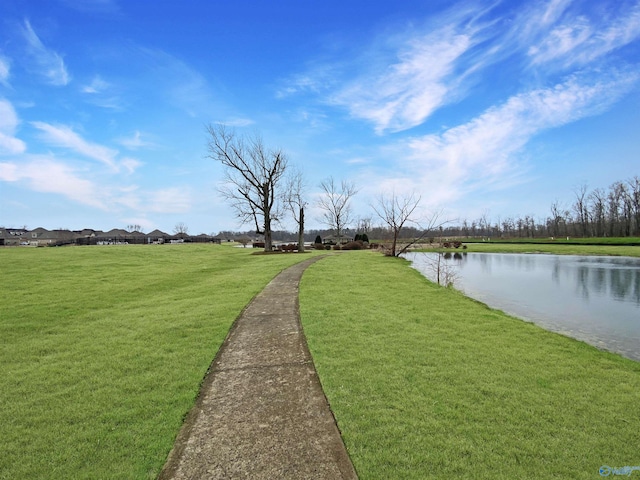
114,232
157,233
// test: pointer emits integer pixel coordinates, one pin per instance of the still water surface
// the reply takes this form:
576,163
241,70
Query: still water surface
594,299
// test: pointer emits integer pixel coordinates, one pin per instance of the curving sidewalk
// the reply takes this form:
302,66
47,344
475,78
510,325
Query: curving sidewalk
261,412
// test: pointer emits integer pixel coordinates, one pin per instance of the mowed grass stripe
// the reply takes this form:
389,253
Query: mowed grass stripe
427,383
104,348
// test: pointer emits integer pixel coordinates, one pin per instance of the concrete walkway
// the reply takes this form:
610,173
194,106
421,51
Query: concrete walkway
261,413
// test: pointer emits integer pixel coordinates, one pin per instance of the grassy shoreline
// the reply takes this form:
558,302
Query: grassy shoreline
556,249
427,383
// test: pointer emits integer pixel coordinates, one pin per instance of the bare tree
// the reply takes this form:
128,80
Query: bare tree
598,203
335,201
295,201
427,227
243,240
364,225
557,218
634,198
253,176
181,229
396,211
580,207
443,271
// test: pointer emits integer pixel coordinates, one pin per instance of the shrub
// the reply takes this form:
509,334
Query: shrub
337,247
318,246
355,245
318,239
289,248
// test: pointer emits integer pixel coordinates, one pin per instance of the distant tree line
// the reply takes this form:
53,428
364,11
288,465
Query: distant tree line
612,212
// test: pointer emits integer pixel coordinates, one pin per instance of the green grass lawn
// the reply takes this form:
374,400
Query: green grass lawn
427,383
103,350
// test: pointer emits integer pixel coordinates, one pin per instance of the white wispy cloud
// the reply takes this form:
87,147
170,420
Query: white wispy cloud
169,200
130,164
9,143
486,149
183,86
44,61
103,94
64,136
412,88
238,122
145,201
581,38
97,85
45,174
488,153
136,141
4,71
400,82
317,80
48,174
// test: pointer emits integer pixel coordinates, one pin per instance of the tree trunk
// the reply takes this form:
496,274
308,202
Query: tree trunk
394,243
268,243
266,209
301,231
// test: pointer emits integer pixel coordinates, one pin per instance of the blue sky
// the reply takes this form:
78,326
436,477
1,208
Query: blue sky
482,108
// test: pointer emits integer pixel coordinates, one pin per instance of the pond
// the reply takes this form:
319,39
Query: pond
593,299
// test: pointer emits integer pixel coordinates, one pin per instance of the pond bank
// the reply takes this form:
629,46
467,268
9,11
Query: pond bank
591,298
427,383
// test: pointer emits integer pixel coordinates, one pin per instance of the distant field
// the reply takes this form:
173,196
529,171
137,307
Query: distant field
628,246
565,240
427,383
103,350
558,249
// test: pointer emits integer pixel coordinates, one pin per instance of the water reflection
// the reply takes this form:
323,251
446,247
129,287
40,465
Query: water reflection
595,299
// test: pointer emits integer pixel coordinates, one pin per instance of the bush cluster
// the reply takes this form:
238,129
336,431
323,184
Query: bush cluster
456,244
355,245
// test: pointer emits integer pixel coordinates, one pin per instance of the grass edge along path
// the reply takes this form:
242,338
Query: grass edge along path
103,350
427,383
